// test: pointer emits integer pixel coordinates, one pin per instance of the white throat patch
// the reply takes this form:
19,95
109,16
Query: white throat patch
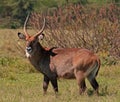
27,54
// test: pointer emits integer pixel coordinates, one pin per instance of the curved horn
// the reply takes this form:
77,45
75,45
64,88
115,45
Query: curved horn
25,24
38,33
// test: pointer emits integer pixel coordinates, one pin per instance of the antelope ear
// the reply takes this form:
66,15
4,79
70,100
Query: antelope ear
41,36
21,36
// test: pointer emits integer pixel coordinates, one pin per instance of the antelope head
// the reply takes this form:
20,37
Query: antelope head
31,41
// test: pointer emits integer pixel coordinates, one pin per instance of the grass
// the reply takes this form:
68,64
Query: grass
20,83
27,87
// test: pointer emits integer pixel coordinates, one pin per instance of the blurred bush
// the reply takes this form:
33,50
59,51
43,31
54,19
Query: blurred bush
94,28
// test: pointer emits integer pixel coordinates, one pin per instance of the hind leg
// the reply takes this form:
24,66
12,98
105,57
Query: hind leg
81,82
82,86
94,84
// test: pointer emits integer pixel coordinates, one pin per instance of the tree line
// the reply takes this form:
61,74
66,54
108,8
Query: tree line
13,12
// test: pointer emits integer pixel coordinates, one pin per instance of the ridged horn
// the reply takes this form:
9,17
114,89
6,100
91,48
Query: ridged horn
25,24
42,29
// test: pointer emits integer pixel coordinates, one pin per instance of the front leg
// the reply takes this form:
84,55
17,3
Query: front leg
54,84
45,84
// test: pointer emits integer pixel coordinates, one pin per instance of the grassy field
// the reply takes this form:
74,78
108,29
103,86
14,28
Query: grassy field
19,82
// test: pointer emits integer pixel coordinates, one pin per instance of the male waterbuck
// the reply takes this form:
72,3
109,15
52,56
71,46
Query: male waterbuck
56,63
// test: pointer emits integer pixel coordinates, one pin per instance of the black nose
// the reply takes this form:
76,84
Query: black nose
29,49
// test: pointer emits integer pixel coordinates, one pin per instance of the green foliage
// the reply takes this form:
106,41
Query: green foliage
20,9
16,10
50,3
42,5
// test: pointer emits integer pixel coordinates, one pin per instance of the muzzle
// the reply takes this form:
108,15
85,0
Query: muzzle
29,49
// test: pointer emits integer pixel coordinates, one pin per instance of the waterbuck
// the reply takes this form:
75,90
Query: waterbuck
56,63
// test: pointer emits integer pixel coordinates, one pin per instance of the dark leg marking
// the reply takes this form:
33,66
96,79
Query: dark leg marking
54,84
45,84
82,87
95,85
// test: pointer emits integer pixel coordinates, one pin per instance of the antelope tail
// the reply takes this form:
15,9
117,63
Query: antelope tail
93,70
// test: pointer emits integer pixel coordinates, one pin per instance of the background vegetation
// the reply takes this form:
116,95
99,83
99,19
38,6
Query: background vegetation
93,24
13,12
85,26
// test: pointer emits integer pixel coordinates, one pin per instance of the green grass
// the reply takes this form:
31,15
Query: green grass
27,87
20,83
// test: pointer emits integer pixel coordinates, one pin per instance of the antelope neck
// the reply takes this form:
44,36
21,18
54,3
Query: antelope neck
36,57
